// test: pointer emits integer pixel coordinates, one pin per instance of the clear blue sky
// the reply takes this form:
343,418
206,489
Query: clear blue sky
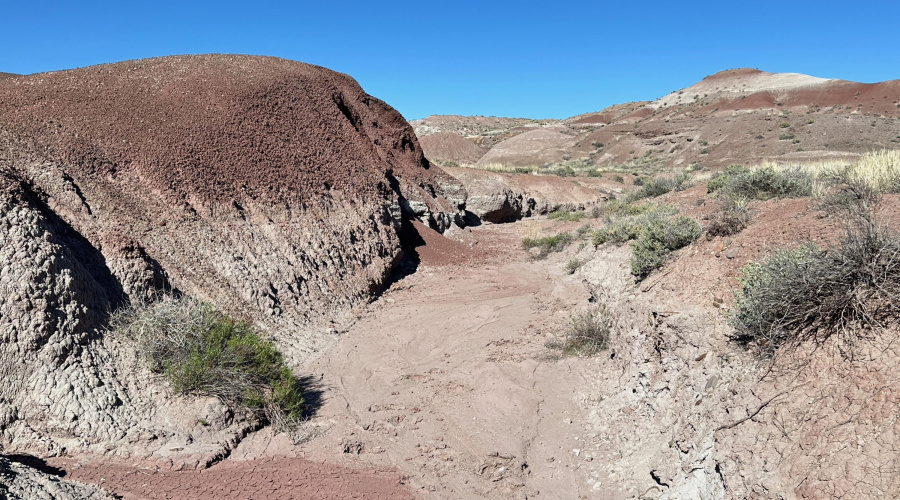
530,59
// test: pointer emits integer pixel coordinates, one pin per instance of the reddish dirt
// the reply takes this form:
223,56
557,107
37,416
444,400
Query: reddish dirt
286,478
434,249
445,146
216,127
734,116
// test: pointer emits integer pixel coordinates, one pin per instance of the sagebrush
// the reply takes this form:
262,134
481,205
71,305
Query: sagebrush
201,351
809,294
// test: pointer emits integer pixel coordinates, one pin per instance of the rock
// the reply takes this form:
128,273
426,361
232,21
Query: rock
732,252
270,188
22,481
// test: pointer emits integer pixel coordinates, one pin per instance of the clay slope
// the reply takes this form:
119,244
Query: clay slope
271,188
735,116
447,147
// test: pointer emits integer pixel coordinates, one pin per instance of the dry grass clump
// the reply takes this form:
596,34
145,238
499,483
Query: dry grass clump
808,295
548,244
199,350
588,333
731,218
566,216
658,186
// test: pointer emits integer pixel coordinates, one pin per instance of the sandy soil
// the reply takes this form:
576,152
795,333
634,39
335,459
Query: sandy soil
448,377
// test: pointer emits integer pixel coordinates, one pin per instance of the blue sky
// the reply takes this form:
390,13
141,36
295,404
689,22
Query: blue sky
529,59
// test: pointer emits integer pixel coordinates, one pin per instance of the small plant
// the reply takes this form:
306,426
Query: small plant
572,266
659,237
548,244
704,151
201,351
785,137
738,181
588,334
566,216
785,125
638,180
731,218
808,295
618,178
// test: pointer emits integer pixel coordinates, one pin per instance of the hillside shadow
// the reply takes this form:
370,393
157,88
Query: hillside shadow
35,463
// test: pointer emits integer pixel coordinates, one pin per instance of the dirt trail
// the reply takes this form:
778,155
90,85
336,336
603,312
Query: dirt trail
444,377
447,377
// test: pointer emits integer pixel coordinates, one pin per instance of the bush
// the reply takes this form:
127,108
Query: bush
618,178
588,333
201,351
573,266
731,218
548,244
657,186
809,294
764,183
657,233
659,237
626,221
566,216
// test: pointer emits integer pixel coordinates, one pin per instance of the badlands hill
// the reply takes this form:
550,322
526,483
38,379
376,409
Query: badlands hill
735,116
273,189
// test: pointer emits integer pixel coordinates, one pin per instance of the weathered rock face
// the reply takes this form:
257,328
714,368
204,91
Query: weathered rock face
500,197
21,481
271,188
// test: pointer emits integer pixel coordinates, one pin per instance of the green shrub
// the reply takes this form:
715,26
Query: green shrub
201,351
659,237
618,178
657,186
731,218
572,266
764,183
588,333
626,221
548,244
809,295
566,216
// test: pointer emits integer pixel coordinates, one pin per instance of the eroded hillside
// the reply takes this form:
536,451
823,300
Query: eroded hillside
735,116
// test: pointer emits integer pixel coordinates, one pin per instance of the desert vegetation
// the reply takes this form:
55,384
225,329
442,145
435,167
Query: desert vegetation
587,334
657,231
199,350
548,244
809,294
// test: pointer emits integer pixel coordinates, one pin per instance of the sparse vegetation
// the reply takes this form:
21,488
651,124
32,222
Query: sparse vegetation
201,351
808,295
618,178
588,333
656,231
548,244
657,239
738,181
566,216
573,266
657,186
731,218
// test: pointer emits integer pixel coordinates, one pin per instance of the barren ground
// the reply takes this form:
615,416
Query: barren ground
444,377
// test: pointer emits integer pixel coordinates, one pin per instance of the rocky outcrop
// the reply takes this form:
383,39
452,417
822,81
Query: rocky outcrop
271,188
18,481
501,197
